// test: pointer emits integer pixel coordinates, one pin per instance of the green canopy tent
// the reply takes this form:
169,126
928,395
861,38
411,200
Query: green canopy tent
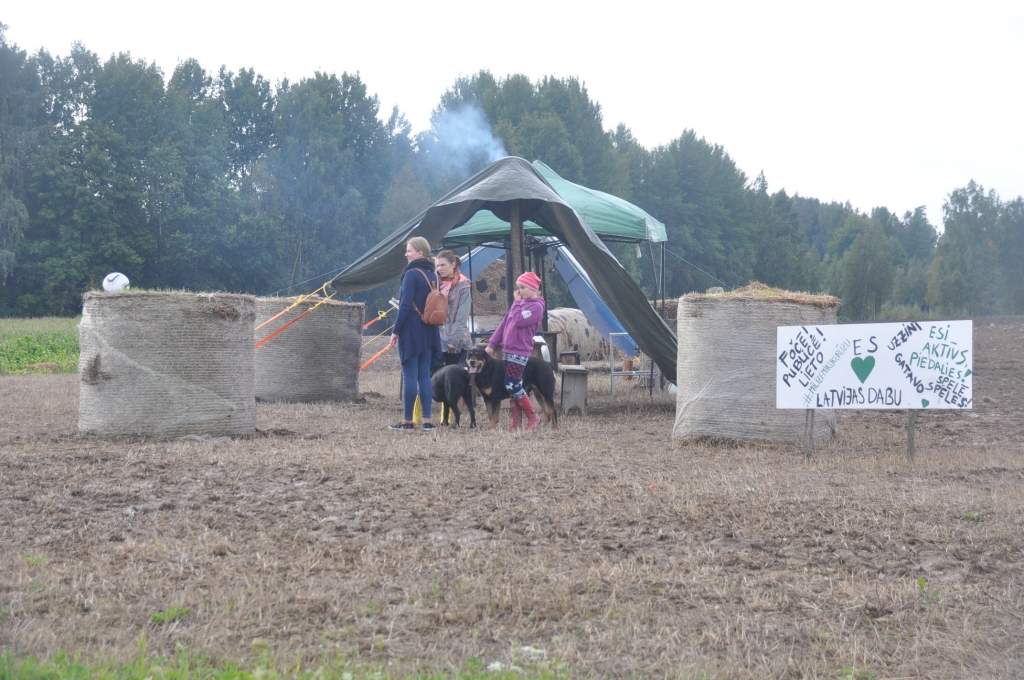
515,191
611,218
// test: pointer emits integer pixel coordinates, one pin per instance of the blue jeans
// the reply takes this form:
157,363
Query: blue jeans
416,380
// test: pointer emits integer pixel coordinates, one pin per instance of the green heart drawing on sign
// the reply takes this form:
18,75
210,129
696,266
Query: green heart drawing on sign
862,367
924,403
967,372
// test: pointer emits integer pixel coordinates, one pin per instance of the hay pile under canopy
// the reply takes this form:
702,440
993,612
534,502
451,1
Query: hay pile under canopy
314,359
666,311
489,289
576,333
726,363
166,364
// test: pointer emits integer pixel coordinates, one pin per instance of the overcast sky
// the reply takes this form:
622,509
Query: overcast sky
893,103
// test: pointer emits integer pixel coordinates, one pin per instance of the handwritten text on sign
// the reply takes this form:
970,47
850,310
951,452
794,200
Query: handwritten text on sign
910,365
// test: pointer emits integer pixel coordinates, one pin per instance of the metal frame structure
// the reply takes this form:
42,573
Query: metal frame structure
536,251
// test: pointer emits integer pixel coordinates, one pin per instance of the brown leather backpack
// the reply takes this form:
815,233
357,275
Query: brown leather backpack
435,311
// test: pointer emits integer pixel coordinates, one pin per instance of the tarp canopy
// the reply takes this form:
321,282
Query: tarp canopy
496,188
611,218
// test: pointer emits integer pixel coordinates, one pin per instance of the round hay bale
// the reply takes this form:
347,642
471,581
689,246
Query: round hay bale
576,333
489,296
314,359
726,364
166,364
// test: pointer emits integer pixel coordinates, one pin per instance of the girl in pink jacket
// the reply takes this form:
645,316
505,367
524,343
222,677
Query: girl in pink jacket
514,337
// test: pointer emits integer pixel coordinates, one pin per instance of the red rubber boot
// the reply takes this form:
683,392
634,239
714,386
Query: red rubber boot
517,416
532,419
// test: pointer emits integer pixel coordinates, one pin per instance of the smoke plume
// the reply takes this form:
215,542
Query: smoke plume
461,142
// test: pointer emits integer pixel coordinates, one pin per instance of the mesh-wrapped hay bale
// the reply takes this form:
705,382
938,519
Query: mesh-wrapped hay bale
166,364
576,333
314,359
726,363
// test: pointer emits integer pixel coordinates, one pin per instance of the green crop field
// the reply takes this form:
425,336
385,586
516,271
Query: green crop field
42,345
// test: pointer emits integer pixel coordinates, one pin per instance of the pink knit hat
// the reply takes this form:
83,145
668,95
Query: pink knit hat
529,279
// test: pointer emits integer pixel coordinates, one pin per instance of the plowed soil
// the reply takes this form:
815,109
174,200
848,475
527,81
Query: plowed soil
604,543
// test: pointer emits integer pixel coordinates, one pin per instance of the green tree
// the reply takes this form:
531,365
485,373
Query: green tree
916,236
63,198
631,163
104,183
864,274
819,221
21,128
324,180
1010,245
964,274
248,103
910,283
198,196
784,258
696,189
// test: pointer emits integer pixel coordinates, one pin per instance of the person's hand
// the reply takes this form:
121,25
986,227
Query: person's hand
451,349
515,295
489,350
394,340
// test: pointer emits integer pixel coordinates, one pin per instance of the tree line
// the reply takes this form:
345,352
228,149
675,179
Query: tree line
225,181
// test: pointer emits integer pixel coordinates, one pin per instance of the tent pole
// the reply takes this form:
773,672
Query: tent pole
544,287
661,283
472,283
516,254
510,279
654,272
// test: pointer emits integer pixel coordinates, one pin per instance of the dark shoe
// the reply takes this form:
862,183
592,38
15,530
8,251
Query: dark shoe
427,426
401,426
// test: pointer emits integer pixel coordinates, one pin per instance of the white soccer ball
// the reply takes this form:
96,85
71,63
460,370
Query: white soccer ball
114,282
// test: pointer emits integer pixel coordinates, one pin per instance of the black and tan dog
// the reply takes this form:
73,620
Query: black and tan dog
488,374
450,384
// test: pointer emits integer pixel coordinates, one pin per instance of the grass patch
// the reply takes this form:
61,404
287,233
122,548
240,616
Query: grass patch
185,666
36,560
848,673
169,615
43,345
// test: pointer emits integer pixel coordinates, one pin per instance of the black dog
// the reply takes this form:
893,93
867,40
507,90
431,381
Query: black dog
488,375
449,384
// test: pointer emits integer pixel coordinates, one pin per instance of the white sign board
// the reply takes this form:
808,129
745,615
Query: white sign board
911,365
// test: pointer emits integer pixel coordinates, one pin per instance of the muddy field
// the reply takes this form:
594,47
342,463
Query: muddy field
603,546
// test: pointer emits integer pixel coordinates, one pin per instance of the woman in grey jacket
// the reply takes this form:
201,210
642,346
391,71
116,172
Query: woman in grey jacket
455,337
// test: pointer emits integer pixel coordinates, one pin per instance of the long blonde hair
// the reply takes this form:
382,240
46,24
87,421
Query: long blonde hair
419,244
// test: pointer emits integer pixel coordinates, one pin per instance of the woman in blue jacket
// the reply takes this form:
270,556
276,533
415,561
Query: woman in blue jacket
417,342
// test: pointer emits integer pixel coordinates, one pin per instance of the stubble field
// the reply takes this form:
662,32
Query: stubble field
602,548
